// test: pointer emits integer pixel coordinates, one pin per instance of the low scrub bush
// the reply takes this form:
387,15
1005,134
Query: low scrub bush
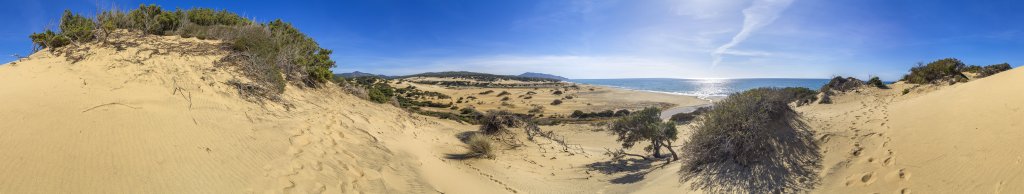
947,69
603,114
504,93
498,121
556,102
751,142
841,84
480,146
800,95
988,70
877,82
690,116
487,92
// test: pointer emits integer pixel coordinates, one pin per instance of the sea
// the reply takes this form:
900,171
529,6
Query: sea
703,88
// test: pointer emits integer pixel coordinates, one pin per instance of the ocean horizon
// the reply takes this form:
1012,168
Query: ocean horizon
703,88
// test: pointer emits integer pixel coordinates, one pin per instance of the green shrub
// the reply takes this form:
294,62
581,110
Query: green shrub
556,102
750,142
877,82
209,17
646,125
800,95
947,69
48,39
380,93
905,91
994,69
487,92
841,84
687,117
76,27
603,114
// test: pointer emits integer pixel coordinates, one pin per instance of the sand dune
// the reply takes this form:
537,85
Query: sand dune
123,122
937,139
158,118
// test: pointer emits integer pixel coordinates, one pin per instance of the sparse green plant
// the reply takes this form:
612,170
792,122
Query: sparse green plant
480,146
905,91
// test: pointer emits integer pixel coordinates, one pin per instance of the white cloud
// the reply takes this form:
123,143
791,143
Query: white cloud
758,15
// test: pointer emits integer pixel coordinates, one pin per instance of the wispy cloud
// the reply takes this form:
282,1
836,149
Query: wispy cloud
759,14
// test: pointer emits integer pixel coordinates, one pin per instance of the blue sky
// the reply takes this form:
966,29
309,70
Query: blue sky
617,38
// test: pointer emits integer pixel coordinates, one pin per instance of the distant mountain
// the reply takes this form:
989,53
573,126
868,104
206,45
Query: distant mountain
542,75
480,76
360,74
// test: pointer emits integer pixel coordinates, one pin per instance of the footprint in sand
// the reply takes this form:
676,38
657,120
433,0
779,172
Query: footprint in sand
867,178
905,191
904,174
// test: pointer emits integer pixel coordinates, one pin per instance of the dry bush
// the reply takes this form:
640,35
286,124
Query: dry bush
751,142
480,146
495,122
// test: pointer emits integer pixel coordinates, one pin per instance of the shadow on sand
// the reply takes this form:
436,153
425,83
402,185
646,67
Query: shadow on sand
635,169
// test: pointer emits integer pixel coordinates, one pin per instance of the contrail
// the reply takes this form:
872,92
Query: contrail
759,14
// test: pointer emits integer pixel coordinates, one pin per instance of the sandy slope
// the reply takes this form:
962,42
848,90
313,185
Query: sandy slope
133,122
962,138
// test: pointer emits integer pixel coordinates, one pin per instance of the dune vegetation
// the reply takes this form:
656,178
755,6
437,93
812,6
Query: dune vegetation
271,54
